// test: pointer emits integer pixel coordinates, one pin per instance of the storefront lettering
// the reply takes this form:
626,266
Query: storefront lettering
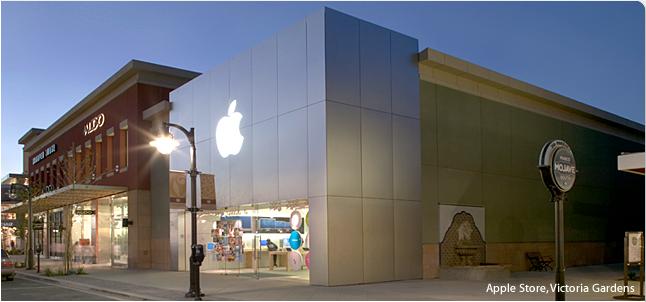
45,153
94,124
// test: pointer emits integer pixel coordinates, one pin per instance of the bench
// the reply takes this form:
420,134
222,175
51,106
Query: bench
538,262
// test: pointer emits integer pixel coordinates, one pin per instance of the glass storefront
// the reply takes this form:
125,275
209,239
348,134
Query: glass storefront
257,240
119,230
98,234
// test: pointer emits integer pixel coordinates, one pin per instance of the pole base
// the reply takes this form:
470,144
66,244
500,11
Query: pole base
191,294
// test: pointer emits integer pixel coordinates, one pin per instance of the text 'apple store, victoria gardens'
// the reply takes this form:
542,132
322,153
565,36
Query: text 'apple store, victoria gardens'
335,151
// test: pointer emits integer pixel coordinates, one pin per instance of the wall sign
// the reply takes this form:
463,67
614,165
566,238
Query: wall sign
227,132
40,156
558,166
84,212
94,124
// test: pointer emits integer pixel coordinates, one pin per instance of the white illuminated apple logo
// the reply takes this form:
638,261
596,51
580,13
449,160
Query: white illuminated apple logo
227,132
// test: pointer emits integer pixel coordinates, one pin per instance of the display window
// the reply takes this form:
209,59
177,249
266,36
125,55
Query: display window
255,240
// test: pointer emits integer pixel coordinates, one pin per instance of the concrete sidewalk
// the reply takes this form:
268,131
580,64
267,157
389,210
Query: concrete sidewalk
165,285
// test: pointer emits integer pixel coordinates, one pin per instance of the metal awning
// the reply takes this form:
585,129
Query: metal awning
632,162
72,194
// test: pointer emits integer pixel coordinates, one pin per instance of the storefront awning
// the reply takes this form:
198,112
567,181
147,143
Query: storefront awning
633,163
72,194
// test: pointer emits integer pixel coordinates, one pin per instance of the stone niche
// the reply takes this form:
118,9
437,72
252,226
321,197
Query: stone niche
462,244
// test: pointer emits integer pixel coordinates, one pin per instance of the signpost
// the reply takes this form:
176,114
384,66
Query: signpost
633,256
558,170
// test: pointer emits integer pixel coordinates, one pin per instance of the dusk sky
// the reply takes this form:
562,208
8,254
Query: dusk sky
54,54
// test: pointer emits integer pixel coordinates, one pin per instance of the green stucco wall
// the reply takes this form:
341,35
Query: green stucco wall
478,152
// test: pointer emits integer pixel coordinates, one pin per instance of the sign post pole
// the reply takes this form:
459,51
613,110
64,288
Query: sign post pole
558,171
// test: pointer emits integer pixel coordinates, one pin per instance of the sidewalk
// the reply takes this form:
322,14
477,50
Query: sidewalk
165,285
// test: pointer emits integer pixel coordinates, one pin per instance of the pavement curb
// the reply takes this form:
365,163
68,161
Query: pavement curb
84,286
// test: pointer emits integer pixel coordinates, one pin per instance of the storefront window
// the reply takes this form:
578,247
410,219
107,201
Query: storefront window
247,241
119,230
56,247
84,233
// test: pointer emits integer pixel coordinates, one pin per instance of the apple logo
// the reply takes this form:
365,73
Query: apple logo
227,132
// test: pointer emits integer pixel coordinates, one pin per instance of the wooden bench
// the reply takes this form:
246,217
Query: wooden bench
537,262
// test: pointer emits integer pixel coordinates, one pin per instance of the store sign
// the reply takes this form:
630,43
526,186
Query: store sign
558,166
9,223
634,247
43,154
227,133
84,212
94,124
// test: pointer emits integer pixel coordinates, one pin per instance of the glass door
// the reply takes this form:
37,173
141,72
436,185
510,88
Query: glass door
119,231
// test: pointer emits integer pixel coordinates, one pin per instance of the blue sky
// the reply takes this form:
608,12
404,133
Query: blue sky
55,53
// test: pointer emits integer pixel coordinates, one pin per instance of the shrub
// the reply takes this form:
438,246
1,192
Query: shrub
48,272
81,271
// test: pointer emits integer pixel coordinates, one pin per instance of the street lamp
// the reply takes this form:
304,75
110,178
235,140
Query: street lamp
21,182
165,144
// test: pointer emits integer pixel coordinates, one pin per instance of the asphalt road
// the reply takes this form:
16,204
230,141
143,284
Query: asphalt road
21,289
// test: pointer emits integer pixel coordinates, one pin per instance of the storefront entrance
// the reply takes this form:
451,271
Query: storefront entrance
259,241
98,235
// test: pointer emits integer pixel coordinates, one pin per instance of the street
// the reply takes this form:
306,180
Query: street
21,289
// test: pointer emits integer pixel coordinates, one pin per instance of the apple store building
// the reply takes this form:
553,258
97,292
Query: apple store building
340,152
343,154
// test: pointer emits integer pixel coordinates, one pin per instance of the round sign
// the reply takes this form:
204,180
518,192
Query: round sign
564,169
295,240
295,220
295,261
558,166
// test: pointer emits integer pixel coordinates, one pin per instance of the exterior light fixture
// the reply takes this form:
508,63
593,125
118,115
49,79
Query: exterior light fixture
165,144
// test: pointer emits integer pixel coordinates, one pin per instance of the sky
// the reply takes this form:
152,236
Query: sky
53,54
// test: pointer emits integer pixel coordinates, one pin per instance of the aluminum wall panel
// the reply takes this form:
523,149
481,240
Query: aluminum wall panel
240,85
265,161
202,107
375,67
405,75
264,81
316,57
292,155
292,68
342,58
343,149
376,154
316,149
407,161
241,171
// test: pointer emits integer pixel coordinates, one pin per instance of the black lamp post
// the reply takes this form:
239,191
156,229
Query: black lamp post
165,144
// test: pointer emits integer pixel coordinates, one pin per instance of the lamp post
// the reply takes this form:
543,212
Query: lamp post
165,144
20,181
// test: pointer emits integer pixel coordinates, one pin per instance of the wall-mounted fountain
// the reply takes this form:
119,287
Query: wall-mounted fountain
462,253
